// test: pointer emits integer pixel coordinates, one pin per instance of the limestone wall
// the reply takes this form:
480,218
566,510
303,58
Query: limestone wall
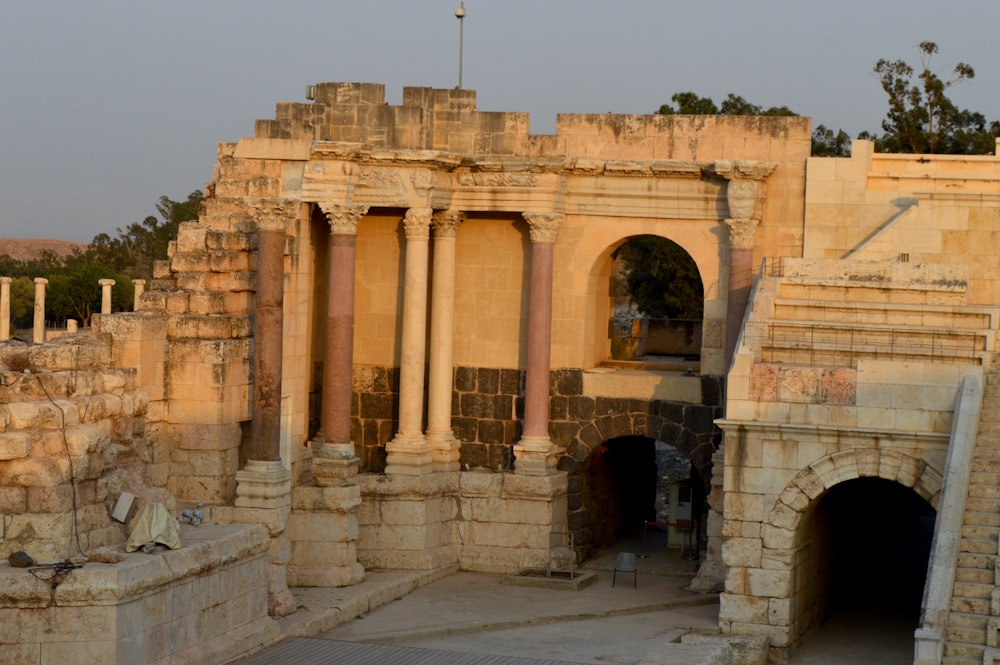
72,438
917,208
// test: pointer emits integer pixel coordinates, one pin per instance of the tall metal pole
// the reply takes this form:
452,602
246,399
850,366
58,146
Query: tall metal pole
460,15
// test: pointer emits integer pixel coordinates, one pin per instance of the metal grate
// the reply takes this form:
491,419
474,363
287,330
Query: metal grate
309,651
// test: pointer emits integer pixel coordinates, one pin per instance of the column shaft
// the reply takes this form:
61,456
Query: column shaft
408,452
38,332
334,458
534,453
265,423
106,285
5,307
444,446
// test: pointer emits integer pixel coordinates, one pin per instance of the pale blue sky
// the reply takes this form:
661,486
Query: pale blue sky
105,105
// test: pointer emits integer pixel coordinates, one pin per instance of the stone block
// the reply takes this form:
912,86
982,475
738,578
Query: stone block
744,552
743,609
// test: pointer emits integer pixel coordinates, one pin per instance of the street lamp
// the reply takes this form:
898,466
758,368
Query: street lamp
460,15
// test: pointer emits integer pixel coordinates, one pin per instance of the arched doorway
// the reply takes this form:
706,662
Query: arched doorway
658,303
865,547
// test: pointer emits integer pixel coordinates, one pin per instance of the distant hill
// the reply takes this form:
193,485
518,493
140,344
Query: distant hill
25,249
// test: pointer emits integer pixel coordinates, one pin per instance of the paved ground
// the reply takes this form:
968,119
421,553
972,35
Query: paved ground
463,618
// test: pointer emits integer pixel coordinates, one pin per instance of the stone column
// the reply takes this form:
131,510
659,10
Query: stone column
264,485
106,285
140,287
444,445
334,458
408,452
5,307
38,333
745,196
534,453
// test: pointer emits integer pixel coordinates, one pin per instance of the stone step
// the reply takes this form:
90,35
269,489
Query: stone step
966,636
959,650
974,575
986,465
980,532
941,316
973,590
975,560
982,505
967,620
960,660
884,294
970,605
982,518
978,546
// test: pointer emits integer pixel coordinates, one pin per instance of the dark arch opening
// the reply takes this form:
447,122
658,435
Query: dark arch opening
868,545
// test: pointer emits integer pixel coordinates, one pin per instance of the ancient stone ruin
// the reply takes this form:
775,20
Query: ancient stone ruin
385,344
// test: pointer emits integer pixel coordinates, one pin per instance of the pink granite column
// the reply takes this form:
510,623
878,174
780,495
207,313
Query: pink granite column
408,452
5,307
534,453
444,446
334,456
265,423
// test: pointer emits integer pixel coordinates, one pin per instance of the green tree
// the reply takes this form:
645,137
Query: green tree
921,118
662,279
826,143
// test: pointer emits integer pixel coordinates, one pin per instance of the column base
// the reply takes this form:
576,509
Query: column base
334,464
445,451
263,485
409,455
534,456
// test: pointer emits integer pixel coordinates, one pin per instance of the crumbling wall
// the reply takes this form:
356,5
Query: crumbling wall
72,438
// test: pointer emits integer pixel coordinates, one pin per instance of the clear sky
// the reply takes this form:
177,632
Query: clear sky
107,105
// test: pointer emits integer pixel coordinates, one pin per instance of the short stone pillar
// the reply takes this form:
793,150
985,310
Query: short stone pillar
5,307
106,285
72,326
38,331
534,454
140,287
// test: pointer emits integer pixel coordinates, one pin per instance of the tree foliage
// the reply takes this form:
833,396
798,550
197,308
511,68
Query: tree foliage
689,103
922,119
663,280
73,291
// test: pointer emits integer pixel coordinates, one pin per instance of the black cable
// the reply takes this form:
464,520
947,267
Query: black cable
69,458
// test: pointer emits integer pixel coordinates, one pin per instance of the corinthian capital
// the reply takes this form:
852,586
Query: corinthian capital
343,217
741,232
417,223
446,223
542,226
272,214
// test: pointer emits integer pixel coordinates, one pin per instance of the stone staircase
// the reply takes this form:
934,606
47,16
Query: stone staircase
972,626
838,325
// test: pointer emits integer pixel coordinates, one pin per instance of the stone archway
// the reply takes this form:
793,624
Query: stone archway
782,593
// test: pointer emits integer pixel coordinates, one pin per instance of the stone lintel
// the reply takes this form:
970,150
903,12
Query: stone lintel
834,435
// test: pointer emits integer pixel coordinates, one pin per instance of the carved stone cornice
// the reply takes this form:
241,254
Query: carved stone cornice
741,232
446,223
417,223
343,217
272,214
542,226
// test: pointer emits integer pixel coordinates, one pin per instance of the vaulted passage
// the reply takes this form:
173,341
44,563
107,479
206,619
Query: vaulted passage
865,556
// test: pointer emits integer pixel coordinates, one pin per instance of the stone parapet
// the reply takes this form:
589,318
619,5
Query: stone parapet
203,603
